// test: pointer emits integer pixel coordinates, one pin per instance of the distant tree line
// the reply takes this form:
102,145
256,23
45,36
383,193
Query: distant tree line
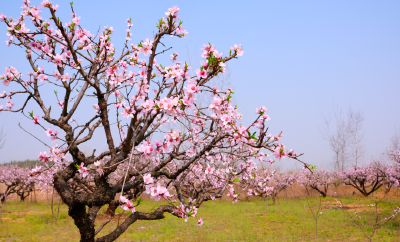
23,163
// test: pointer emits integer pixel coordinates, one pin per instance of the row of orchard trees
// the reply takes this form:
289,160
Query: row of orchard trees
366,179
256,181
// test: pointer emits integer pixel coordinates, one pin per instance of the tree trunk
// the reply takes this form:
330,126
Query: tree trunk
58,211
273,199
82,221
112,206
52,199
1,212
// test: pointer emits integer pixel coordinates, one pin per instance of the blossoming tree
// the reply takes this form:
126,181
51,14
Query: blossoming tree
319,180
265,182
16,181
160,139
368,179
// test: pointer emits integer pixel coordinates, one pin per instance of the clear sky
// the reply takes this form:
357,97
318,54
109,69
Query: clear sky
301,58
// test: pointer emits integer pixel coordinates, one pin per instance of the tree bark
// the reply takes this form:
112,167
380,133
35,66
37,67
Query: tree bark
52,199
1,212
82,221
58,211
34,193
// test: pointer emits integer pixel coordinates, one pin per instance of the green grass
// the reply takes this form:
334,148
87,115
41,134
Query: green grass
289,220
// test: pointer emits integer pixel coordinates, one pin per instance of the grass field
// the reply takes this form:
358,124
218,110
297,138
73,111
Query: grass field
288,220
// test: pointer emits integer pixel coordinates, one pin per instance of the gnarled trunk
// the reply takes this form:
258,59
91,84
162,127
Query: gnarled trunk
84,220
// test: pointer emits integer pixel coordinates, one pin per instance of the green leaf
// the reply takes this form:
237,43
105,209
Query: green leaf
138,201
31,114
71,3
236,179
55,92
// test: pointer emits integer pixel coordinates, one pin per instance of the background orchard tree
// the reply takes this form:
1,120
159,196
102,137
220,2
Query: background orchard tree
319,180
134,96
265,182
16,181
370,178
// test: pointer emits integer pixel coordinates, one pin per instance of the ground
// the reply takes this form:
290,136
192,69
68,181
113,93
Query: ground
254,220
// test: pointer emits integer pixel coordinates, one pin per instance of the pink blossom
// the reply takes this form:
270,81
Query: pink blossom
148,179
49,132
100,171
61,104
44,157
9,104
261,110
36,120
238,49
35,171
146,49
58,60
172,12
279,152
65,77
2,17
201,73
96,107
83,170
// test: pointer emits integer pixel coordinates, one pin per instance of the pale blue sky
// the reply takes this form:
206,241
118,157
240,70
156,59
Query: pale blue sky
301,58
